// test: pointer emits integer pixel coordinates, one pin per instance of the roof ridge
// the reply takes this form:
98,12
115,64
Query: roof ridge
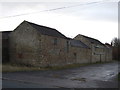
89,37
46,30
92,40
39,25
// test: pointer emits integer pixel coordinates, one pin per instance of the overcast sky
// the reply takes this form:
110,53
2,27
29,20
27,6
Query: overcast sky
93,18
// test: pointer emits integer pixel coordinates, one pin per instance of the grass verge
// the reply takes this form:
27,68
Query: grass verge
16,68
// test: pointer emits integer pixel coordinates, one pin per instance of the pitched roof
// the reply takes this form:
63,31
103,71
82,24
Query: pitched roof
77,43
47,30
92,40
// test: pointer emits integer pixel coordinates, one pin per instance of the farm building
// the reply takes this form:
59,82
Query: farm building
99,51
36,45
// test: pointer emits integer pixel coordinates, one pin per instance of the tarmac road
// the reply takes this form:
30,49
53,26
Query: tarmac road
91,76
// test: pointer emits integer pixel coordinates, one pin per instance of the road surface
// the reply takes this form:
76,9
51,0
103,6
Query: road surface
91,76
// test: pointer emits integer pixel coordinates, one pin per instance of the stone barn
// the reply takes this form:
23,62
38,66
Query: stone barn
37,45
98,49
78,52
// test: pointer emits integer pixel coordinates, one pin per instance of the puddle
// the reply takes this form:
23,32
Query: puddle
110,74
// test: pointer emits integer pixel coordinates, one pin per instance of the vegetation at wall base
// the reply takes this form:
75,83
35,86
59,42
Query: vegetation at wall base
9,67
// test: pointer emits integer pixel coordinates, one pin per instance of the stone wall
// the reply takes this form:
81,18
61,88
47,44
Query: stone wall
99,53
79,55
83,39
53,50
28,46
24,45
86,41
62,53
108,54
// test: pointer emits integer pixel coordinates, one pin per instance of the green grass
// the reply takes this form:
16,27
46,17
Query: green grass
66,66
16,68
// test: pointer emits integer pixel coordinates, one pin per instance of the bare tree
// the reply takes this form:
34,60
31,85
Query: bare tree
116,48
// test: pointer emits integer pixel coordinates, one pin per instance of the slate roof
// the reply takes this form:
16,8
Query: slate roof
47,30
78,43
92,40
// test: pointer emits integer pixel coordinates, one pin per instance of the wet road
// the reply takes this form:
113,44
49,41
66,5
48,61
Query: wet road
92,76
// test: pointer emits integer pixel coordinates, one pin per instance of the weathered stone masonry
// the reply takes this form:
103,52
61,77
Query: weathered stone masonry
99,51
36,45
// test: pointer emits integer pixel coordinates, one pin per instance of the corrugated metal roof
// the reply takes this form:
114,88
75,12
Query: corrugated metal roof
47,30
